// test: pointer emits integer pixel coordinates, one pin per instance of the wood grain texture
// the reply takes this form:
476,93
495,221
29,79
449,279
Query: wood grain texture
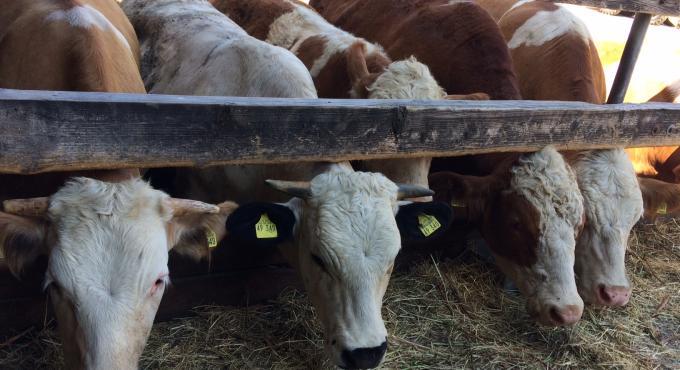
660,7
55,131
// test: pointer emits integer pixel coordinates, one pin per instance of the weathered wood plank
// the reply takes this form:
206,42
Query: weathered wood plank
660,7
52,131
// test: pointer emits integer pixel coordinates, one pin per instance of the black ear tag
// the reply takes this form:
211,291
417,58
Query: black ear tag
423,220
261,223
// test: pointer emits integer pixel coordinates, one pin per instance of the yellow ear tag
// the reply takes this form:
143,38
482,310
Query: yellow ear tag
428,224
663,208
265,228
211,237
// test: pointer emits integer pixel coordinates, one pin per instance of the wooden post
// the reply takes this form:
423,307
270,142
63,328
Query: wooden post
630,54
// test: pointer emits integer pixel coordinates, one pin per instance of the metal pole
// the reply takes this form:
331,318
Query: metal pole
629,57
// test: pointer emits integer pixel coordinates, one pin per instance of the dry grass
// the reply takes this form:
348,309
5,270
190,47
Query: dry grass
440,315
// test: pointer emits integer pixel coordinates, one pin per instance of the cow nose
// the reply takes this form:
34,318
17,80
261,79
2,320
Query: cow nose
613,295
567,315
364,358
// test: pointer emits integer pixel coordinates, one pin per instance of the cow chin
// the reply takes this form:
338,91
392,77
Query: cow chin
550,300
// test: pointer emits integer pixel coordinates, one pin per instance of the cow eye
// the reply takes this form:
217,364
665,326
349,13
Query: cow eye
319,262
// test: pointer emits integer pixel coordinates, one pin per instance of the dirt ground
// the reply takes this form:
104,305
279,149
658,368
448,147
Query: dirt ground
440,313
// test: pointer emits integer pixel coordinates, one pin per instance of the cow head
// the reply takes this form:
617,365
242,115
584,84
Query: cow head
405,79
346,239
107,248
528,211
613,204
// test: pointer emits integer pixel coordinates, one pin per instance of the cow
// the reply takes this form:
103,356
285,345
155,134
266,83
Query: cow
556,59
466,52
106,236
340,229
342,66
658,168
660,163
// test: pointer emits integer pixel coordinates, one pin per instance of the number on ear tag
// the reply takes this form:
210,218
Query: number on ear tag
265,228
663,208
211,237
428,224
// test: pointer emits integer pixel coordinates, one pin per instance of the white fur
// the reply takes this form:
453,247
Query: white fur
86,16
515,5
548,25
613,204
188,47
406,79
293,28
545,180
110,248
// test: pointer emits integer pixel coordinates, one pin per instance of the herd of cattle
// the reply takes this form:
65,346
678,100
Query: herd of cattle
557,223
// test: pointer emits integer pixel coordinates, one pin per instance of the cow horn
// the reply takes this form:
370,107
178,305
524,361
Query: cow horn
181,207
413,191
299,189
31,207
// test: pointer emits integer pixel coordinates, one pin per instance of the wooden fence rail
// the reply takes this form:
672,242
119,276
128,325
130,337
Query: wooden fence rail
52,131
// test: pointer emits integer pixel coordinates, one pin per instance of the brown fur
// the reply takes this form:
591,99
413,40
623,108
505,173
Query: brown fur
460,42
512,235
35,54
253,16
658,194
562,69
663,162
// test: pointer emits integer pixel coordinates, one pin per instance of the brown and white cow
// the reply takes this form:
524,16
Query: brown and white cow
106,240
556,59
528,207
345,233
661,163
658,168
342,65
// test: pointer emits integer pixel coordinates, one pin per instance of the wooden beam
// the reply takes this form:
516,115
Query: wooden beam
57,131
659,7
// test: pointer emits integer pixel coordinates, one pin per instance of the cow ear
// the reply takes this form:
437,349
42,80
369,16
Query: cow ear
193,233
23,241
419,221
659,198
467,195
357,70
262,223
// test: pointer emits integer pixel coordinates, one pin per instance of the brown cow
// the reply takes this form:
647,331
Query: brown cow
556,59
661,163
528,207
106,240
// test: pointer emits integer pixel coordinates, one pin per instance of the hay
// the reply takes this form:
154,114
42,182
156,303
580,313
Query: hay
440,314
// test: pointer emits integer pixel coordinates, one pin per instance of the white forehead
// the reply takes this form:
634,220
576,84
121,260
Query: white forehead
545,180
85,16
355,215
610,189
406,79
109,236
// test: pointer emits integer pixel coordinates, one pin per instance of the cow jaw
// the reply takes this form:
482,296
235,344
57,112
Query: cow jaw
347,242
613,204
538,217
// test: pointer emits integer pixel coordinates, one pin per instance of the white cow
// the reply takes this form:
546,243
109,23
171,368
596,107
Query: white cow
344,232
107,246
